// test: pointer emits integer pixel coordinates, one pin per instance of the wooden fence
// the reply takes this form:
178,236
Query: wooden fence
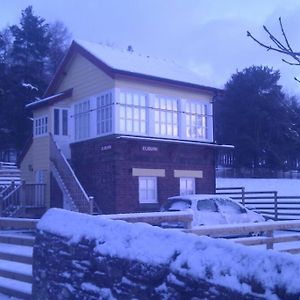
268,203
270,240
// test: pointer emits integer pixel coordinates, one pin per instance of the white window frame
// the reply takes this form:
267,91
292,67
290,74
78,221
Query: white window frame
40,125
196,120
104,113
133,108
166,116
61,128
183,185
82,117
148,199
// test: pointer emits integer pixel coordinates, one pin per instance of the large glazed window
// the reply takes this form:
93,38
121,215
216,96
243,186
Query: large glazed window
196,120
132,112
147,189
82,120
165,117
104,113
40,126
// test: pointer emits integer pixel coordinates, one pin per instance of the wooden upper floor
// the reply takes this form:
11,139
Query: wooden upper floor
99,91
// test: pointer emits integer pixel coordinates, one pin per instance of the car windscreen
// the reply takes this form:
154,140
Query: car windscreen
228,206
207,205
177,205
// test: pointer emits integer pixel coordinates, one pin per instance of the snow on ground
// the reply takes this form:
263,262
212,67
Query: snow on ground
285,187
197,254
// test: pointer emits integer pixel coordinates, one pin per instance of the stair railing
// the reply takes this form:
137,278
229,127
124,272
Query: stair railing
10,202
71,184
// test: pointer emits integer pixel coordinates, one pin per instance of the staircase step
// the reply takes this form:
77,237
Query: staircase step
15,288
17,239
16,253
16,271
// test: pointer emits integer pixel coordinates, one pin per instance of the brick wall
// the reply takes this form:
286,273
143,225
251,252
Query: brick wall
104,167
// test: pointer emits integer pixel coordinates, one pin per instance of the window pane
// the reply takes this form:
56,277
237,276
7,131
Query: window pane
147,190
122,125
122,98
122,112
143,127
187,186
65,122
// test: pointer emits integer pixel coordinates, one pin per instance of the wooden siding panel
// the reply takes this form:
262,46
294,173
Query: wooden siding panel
26,166
41,154
85,78
162,89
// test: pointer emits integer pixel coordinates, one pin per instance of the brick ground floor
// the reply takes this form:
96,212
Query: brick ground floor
131,175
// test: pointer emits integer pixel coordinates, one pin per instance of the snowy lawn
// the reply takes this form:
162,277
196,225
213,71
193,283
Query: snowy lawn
285,187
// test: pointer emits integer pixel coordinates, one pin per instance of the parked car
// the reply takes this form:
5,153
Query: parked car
212,209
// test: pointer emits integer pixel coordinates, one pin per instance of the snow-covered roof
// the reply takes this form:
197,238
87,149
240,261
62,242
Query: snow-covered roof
196,197
130,61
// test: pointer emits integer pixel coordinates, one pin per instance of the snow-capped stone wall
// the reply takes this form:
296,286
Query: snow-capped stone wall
78,256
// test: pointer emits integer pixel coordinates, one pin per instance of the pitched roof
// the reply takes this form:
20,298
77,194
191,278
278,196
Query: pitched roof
115,62
123,60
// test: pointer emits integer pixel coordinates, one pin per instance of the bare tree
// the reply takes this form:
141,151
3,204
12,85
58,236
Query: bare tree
284,47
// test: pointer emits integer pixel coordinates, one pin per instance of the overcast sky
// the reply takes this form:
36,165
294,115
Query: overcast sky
207,35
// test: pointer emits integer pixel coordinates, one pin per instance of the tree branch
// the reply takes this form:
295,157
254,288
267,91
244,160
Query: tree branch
283,48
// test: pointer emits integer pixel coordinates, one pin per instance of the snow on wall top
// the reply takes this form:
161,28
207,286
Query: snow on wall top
129,61
227,264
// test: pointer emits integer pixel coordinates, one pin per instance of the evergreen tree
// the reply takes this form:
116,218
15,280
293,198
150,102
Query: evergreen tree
254,115
60,40
29,49
29,52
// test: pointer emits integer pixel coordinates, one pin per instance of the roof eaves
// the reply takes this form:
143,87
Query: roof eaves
50,100
168,81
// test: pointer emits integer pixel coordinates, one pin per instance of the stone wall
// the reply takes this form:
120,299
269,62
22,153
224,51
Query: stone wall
64,271
85,257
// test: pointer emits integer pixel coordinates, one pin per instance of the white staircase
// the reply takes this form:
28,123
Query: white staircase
75,197
16,264
9,173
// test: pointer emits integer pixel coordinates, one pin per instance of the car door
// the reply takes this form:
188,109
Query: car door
208,213
231,211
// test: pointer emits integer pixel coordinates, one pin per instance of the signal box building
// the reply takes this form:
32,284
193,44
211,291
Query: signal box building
128,130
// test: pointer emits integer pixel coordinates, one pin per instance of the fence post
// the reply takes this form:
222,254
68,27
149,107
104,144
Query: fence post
1,204
270,235
275,206
188,225
243,196
22,194
91,198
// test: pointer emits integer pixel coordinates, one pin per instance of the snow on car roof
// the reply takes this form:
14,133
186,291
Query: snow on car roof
130,61
197,197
